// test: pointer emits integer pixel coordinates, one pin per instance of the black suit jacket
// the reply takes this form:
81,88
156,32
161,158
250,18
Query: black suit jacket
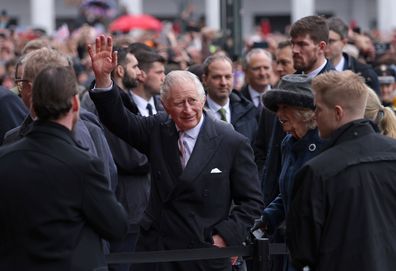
55,204
188,206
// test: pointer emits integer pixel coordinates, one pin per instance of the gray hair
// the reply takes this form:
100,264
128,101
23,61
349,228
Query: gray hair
251,53
180,78
307,115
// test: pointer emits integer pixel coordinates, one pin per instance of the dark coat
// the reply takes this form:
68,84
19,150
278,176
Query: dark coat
364,70
88,133
342,215
12,111
55,204
187,207
243,116
294,154
133,166
267,149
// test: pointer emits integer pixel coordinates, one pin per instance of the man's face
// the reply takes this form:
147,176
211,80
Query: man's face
325,117
24,86
184,105
387,93
259,71
335,46
131,72
305,53
284,61
218,81
154,78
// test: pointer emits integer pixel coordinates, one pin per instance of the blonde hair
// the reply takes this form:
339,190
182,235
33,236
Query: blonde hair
37,60
346,89
384,117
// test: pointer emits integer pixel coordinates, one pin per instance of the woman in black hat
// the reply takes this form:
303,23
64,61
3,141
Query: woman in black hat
293,104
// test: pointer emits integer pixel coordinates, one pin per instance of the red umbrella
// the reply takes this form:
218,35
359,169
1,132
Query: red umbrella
127,23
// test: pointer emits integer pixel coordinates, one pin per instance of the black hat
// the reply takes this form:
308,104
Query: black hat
293,89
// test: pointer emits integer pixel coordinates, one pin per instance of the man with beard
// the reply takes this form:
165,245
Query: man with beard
55,201
309,37
133,188
151,77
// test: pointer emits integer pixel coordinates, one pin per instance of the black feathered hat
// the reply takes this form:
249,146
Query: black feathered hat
293,89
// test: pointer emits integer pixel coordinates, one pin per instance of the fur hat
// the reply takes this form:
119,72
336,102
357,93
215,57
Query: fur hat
293,89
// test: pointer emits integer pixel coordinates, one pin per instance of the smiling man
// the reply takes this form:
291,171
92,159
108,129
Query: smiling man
195,165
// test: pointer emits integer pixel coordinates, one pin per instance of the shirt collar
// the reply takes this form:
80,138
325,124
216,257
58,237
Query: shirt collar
315,72
340,65
193,132
215,106
142,103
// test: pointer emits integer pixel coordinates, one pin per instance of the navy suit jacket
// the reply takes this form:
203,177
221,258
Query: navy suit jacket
187,207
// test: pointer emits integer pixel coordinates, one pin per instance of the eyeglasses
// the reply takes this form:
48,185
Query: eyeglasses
19,83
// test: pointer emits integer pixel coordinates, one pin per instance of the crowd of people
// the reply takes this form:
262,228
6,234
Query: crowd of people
119,143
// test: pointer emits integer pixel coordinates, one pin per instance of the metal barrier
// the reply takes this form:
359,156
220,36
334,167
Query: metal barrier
259,252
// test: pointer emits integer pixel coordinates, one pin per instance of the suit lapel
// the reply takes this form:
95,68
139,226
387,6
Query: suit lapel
205,147
169,137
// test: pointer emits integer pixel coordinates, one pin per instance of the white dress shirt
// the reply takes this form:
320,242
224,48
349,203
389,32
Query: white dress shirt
142,104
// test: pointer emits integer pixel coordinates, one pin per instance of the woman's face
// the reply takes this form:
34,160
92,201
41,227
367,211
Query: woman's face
291,120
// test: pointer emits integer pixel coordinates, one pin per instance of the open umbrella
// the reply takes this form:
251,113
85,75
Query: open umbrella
127,23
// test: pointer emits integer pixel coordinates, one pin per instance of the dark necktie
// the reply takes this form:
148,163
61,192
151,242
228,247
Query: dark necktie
260,103
222,113
149,109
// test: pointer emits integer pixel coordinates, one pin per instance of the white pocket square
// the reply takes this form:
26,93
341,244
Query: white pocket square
215,170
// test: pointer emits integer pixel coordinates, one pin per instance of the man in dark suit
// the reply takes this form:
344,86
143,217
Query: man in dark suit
338,38
257,65
199,166
55,203
226,104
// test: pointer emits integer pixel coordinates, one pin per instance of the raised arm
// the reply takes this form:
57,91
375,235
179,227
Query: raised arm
104,60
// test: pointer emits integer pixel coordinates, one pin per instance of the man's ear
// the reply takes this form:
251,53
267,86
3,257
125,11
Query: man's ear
322,45
142,76
119,71
75,103
339,113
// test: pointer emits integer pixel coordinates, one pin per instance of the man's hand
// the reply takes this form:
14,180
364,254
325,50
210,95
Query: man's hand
104,60
218,241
